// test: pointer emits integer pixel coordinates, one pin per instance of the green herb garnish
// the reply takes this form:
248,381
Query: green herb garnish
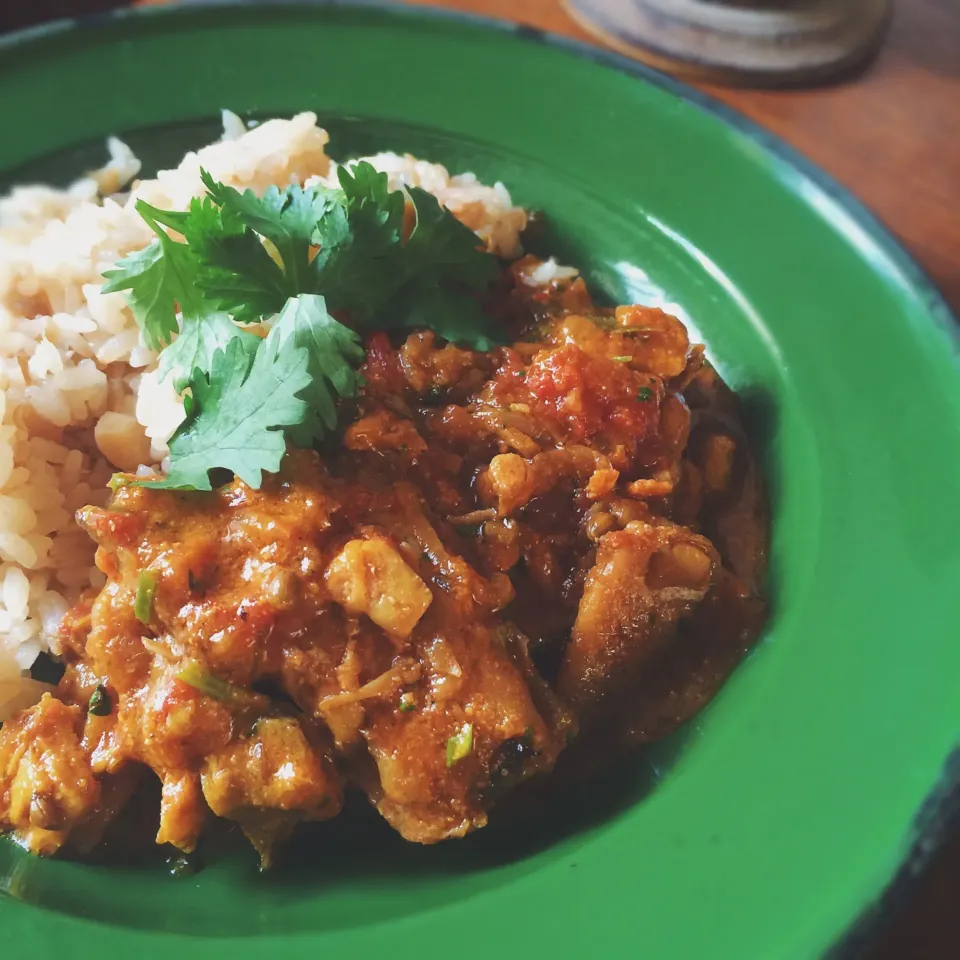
644,394
429,280
236,414
622,359
99,704
193,675
146,590
460,745
297,253
407,703
118,480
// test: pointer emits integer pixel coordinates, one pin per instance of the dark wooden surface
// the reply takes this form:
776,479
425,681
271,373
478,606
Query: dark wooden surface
892,136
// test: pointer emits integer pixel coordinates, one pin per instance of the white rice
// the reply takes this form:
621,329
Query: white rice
79,396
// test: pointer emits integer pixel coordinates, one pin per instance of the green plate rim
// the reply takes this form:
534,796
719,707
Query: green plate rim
938,817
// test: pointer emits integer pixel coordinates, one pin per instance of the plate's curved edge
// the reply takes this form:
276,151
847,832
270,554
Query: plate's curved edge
936,821
939,815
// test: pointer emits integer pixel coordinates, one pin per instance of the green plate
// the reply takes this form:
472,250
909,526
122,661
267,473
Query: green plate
777,818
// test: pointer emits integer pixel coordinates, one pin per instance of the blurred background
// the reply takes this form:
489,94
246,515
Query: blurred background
869,90
28,14
755,42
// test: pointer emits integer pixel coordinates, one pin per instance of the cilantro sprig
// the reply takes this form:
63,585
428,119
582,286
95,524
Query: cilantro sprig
290,257
236,414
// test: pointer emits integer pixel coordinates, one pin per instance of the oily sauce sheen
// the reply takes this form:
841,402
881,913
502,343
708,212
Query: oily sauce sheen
552,551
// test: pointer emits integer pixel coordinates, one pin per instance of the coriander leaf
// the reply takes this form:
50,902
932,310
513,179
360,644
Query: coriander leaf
353,272
280,216
175,219
202,219
443,247
159,277
144,274
365,268
451,314
235,273
152,293
362,183
287,219
237,415
445,265
238,276
200,338
374,213
357,269
181,265
334,352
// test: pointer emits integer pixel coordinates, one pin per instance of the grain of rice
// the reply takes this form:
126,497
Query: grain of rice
17,549
74,322
16,516
6,463
15,592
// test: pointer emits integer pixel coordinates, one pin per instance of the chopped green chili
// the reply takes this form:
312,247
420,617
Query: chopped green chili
146,590
99,704
193,675
460,745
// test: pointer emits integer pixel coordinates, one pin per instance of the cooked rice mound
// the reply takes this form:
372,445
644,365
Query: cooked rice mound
79,397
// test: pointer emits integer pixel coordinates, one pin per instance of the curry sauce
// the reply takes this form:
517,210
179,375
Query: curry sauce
552,548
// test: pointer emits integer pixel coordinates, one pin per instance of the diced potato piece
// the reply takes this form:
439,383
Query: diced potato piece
370,576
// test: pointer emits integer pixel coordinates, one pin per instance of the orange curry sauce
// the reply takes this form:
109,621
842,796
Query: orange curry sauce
551,551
